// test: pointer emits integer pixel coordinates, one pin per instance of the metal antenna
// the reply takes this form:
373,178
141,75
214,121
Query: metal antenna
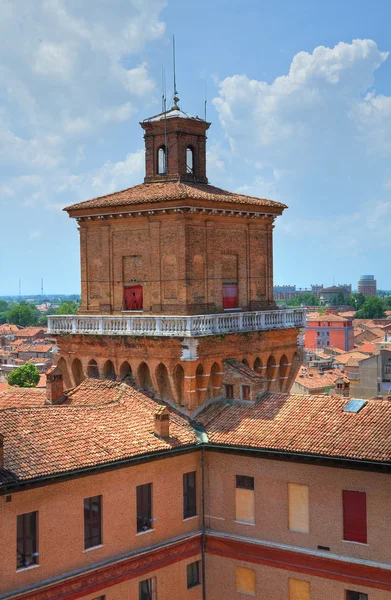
176,99
206,96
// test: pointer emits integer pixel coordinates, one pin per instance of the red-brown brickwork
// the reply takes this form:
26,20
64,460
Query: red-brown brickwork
156,364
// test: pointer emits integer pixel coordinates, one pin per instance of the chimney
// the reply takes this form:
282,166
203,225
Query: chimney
162,422
54,385
1,451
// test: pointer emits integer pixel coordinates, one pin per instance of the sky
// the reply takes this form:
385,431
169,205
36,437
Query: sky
298,93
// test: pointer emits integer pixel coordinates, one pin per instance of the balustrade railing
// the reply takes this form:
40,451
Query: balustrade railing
166,325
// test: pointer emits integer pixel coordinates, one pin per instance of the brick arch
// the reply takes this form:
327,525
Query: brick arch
62,365
215,380
296,362
77,371
92,369
258,366
109,370
270,371
200,383
163,382
245,362
125,370
179,384
144,376
283,372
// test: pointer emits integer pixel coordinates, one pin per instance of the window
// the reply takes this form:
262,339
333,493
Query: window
230,295
299,590
229,391
133,297
193,574
144,507
100,598
298,508
244,499
246,392
354,516
189,495
92,522
162,161
190,160
26,540
356,595
147,589
245,580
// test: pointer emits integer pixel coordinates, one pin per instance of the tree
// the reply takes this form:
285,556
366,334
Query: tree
373,308
23,314
67,308
356,301
24,376
3,306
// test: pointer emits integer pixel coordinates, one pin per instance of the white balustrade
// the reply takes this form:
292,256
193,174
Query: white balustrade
176,326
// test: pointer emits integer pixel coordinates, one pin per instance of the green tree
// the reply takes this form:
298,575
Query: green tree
306,299
356,301
387,302
373,308
25,376
3,306
67,308
23,314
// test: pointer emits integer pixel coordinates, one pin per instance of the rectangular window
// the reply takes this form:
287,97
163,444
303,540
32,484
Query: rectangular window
229,391
299,590
244,499
147,589
92,521
26,540
354,516
245,580
133,297
298,508
193,574
246,392
189,495
355,595
144,507
230,295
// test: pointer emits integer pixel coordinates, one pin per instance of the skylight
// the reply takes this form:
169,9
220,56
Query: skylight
354,405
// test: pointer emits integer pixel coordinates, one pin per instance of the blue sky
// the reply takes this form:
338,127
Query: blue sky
299,95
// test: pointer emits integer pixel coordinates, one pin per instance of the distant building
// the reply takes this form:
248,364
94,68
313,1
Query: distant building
332,294
367,285
329,330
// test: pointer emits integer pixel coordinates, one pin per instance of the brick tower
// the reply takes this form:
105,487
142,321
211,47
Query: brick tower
176,279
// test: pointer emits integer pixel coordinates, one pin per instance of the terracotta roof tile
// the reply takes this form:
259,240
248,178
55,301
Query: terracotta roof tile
328,317
16,397
350,359
55,439
29,331
171,190
313,379
315,425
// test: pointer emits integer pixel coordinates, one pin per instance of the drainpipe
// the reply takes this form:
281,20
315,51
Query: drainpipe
203,539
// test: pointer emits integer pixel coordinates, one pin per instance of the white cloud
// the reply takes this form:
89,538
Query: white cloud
34,235
75,73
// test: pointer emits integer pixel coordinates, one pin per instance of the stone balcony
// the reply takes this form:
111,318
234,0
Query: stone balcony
176,326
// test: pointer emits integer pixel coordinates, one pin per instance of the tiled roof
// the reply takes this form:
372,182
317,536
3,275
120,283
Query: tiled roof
328,317
171,190
31,347
8,329
313,379
314,425
367,347
350,359
16,397
56,439
29,331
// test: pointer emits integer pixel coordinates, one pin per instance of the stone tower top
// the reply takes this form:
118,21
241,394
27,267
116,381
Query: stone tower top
175,147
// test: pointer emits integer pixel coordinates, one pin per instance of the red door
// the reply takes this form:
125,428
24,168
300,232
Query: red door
133,295
230,295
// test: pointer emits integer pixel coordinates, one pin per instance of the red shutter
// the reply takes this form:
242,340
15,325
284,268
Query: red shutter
355,516
133,297
230,295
